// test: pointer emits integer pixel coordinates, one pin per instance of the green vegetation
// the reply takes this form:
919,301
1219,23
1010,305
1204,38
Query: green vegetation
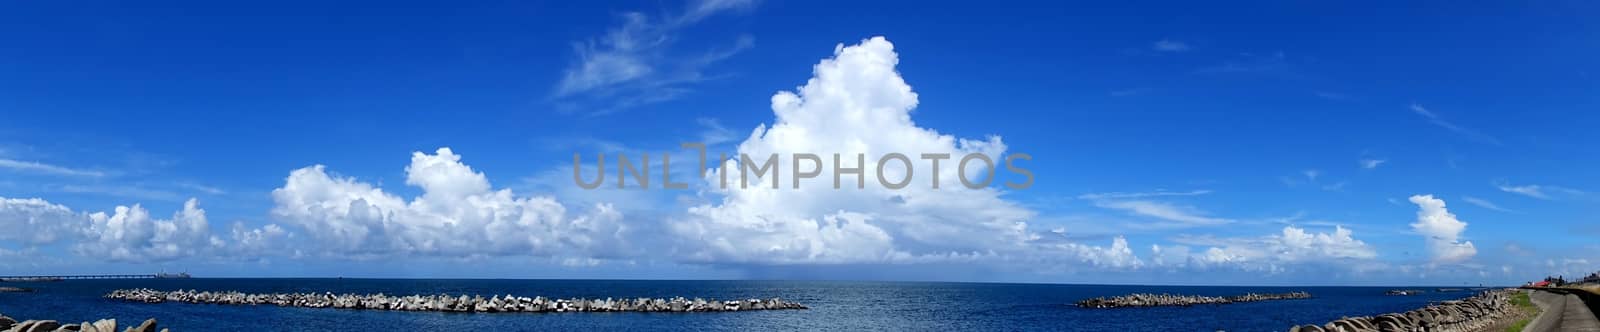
1519,325
1522,300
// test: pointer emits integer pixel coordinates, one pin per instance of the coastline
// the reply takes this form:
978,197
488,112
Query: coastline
833,305
1490,310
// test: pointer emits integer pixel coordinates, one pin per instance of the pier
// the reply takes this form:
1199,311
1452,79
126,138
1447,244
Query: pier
70,277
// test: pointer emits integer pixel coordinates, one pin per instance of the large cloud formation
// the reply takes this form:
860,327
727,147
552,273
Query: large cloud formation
1442,231
130,234
127,234
458,214
855,104
35,221
1271,253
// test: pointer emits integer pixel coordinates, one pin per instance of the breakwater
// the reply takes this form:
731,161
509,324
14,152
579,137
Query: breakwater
449,303
1402,292
1475,313
1170,300
9,324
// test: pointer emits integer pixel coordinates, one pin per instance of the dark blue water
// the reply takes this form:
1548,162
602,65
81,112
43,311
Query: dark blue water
835,305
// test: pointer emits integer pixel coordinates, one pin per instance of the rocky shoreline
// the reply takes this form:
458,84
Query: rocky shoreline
448,303
1476,313
8,324
1170,300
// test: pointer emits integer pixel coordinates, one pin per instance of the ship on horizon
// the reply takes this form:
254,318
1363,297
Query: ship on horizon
179,275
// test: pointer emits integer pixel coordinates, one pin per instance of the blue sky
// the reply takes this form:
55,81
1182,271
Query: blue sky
1218,133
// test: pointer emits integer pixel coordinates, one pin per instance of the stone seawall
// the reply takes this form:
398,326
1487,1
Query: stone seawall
449,303
1169,300
1476,313
8,324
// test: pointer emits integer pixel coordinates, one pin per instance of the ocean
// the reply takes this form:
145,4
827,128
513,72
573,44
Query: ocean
835,305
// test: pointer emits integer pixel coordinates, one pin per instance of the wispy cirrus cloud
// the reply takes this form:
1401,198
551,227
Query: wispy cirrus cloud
1545,192
713,132
1275,62
1158,193
1452,126
1483,203
1162,210
1312,177
1334,96
42,168
125,191
202,188
1526,190
639,63
1129,92
1371,163
1145,204
1311,174
1169,45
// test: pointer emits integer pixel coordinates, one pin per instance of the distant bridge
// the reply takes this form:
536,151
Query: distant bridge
93,276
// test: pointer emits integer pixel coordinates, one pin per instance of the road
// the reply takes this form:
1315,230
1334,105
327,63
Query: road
1562,312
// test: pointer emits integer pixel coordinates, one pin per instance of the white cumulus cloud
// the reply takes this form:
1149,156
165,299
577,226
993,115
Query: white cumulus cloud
856,103
1273,253
131,234
34,221
1442,230
37,167
458,214
126,234
1118,256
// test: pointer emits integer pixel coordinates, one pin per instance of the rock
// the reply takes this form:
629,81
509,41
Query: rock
15,290
6,322
1159,300
447,303
106,325
1471,314
149,325
1306,328
37,326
